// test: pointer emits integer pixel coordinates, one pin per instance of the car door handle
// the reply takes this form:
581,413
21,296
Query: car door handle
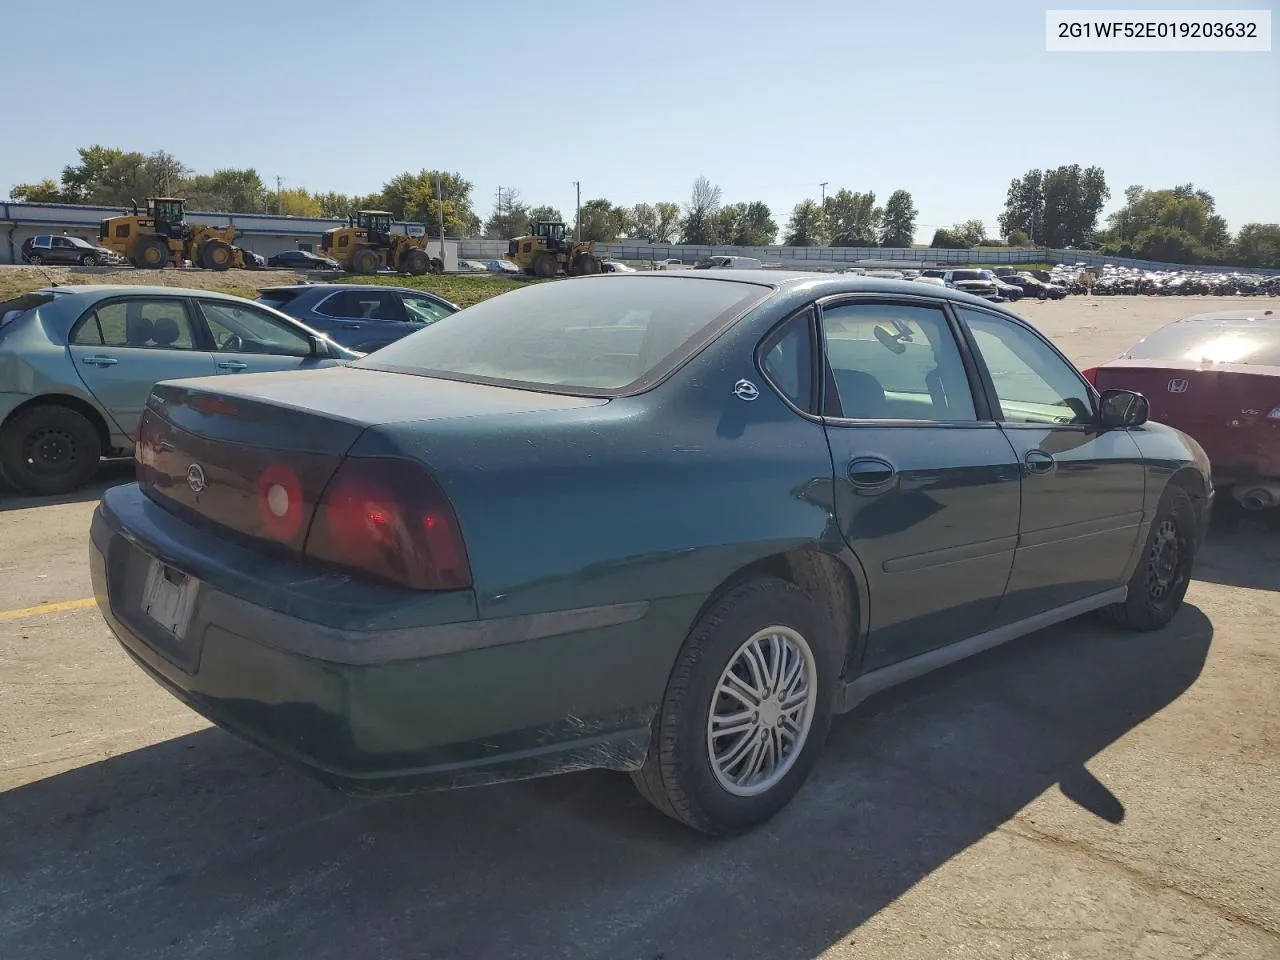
1039,462
100,361
231,365
870,472
351,326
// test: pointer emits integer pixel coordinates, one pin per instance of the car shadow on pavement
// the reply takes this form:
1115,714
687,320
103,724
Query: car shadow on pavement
203,846
110,474
1245,555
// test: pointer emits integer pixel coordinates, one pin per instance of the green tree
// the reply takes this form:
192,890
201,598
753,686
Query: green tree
510,217
545,213
852,219
807,227
1258,245
79,180
1164,219
333,204
699,223
230,190
601,221
668,221
898,226
1018,238
642,221
1057,207
746,225
970,233
46,191
412,196
946,240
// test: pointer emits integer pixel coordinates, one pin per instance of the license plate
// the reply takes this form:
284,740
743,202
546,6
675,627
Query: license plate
168,597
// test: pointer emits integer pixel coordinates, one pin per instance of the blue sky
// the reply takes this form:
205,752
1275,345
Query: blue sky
636,99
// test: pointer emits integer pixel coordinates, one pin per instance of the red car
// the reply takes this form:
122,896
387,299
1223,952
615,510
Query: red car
1215,376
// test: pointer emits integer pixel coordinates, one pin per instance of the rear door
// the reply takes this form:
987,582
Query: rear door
361,318
250,340
1083,486
124,346
926,483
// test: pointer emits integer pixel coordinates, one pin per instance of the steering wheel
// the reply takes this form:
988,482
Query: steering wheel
233,344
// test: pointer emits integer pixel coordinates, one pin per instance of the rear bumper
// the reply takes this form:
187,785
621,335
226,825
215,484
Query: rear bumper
451,704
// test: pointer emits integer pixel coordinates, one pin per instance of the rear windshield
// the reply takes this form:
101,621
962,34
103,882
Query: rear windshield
11,310
1252,342
277,298
597,336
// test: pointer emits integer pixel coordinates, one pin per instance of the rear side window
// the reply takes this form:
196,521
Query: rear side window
787,361
596,336
150,324
368,304
1251,342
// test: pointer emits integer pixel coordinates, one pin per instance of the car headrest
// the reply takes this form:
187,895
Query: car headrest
137,330
861,394
165,331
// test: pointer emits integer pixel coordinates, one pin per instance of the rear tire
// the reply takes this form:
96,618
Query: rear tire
216,255
48,450
545,265
1163,574
88,260
35,259
760,626
153,254
365,263
436,265
416,263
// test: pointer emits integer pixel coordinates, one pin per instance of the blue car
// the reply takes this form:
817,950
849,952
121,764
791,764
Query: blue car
359,316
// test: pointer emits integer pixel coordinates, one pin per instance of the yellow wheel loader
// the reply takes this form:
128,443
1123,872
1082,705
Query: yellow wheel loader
545,251
366,245
162,237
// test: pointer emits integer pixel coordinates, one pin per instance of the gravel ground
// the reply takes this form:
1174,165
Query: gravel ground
1081,793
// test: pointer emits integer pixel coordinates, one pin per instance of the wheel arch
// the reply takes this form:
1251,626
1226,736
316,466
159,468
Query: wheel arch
70,402
835,581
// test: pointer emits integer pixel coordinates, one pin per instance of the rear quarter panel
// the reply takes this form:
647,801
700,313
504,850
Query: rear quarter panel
657,498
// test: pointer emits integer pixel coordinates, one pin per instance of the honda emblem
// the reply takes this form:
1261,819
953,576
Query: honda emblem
1178,386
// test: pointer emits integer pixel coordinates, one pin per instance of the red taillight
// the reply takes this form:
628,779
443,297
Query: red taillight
280,503
1090,374
389,518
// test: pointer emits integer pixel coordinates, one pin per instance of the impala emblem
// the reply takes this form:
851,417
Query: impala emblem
195,477
1178,386
746,390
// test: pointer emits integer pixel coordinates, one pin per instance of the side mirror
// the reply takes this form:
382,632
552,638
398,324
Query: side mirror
318,347
1124,408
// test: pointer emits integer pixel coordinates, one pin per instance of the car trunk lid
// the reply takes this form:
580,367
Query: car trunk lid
1224,406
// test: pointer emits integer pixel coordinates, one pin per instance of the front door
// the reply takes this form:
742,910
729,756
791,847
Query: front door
365,318
1083,486
250,340
123,347
927,485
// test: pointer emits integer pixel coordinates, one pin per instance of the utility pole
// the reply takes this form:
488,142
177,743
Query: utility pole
499,201
823,185
279,180
578,185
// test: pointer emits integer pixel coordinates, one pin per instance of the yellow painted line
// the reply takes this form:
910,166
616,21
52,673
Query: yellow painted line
47,608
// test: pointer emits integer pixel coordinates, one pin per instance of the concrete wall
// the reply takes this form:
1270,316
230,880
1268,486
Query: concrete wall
261,233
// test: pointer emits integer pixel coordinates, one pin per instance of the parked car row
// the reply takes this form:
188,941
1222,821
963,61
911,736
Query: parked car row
1110,280
666,525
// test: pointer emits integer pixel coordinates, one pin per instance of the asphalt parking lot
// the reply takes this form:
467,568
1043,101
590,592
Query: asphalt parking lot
1079,793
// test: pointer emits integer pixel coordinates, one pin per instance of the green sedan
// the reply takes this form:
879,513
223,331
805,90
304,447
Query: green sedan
668,524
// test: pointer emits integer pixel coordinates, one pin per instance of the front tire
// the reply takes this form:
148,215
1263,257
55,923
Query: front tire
48,450
1160,582
746,710
88,260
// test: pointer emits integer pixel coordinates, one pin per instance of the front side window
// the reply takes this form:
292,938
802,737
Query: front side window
424,309
893,361
238,329
1033,383
597,335
148,324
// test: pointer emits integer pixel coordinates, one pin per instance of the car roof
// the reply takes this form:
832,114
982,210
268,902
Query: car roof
1266,316
97,290
334,287
818,284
